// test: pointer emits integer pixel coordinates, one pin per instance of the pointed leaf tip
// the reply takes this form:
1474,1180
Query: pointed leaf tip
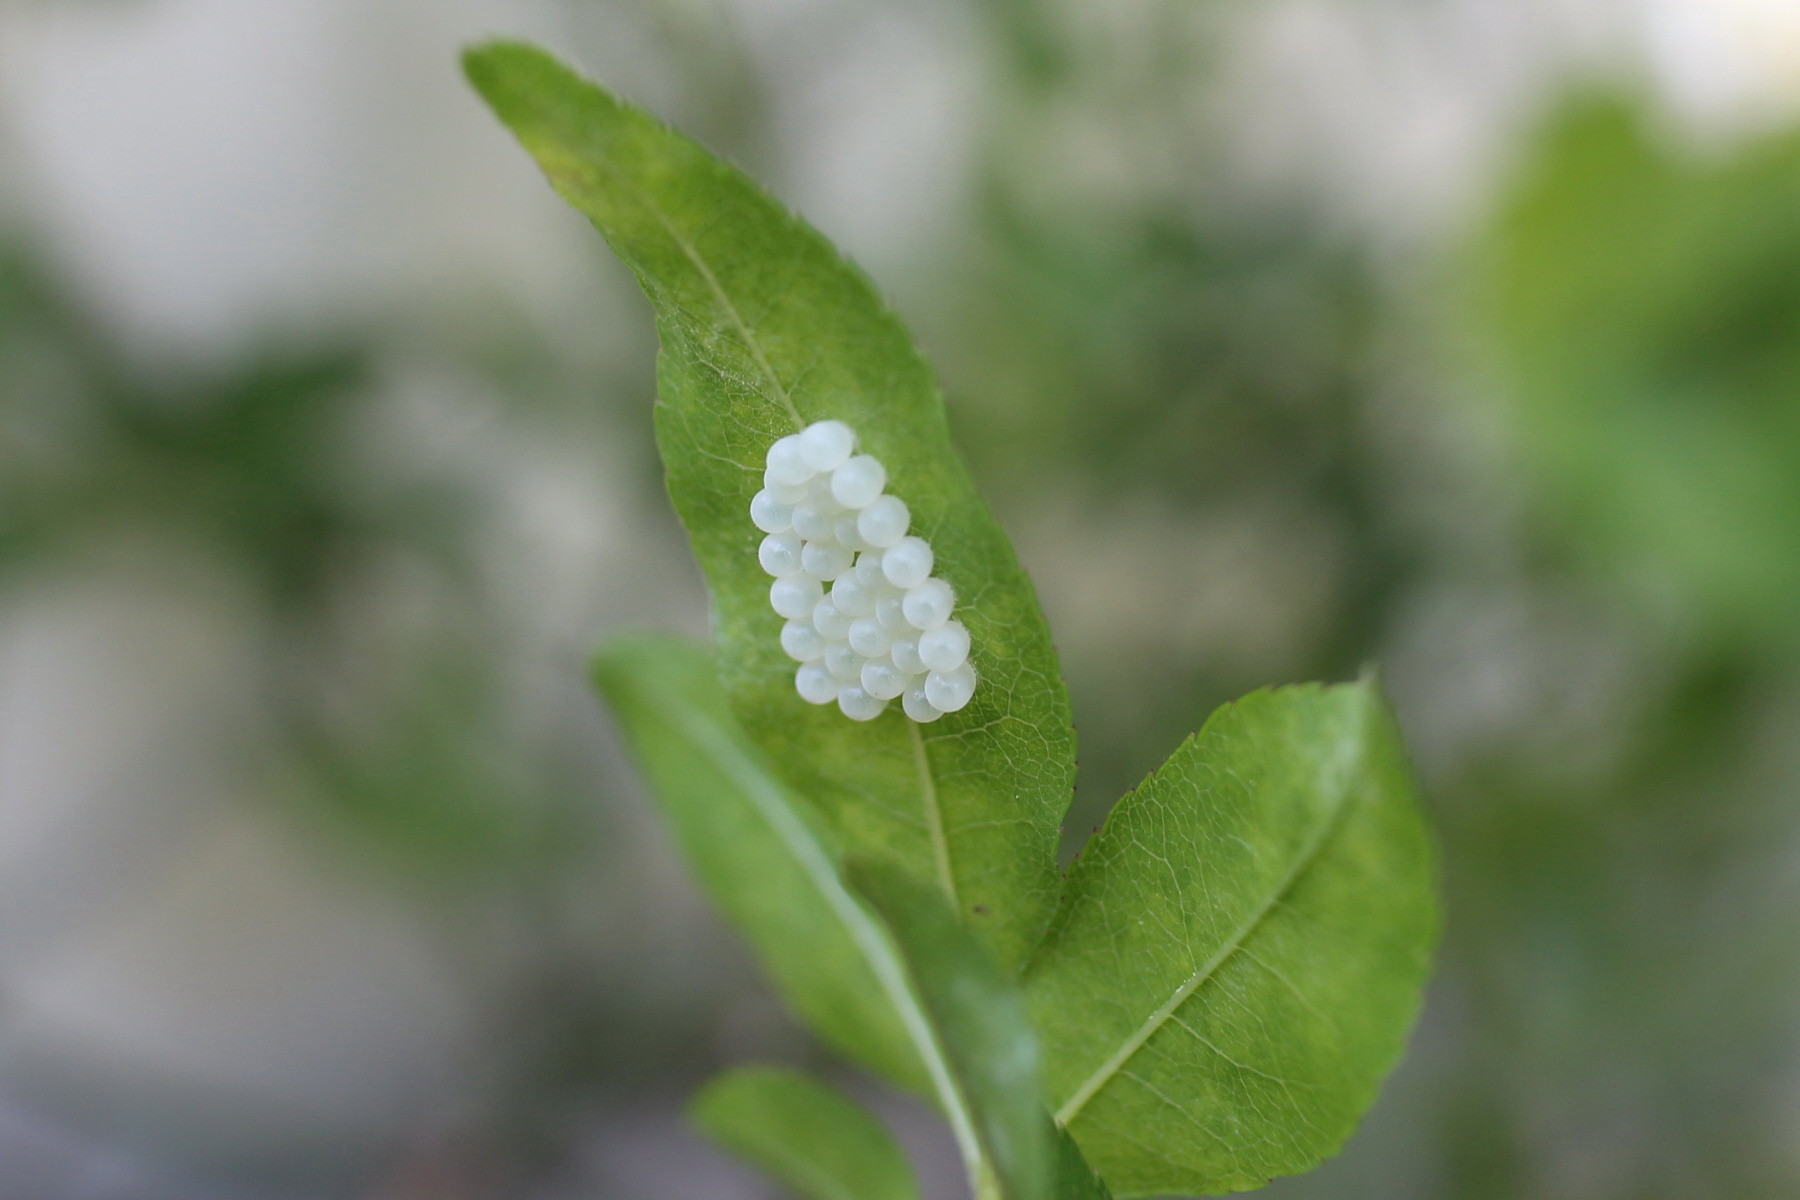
765,326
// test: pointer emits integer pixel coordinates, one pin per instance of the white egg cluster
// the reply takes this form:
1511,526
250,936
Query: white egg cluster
866,620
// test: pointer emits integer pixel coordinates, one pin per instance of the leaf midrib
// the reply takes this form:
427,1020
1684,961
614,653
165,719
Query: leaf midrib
692,252
934,818
928,797
1303,862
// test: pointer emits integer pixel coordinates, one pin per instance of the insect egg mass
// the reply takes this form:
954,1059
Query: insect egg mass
866,619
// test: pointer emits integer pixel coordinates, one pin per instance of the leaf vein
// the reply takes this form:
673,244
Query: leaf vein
1309,853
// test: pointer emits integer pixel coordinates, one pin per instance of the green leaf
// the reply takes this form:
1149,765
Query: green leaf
1075,1179
810,1136
764,328
756,850
979,1018
1240,952
771,870
1641,300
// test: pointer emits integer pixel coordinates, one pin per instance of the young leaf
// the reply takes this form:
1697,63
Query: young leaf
1240,951
765,328
756,850
979,1017
810,1136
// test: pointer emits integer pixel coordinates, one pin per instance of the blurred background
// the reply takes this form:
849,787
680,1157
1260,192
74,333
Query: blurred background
1457,336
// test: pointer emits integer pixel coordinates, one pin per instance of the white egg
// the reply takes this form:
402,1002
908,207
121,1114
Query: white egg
883,680
818,494
825,560
928,605
946,647
906,563
849,594
802,642
904,651
950,690
868,568
794,596
812,524
892,617
769,514
859,481
846,532
815,684
857,704
884,521
844,663
868,638
914,704
832,622
786,463
826,444
786,493
779,554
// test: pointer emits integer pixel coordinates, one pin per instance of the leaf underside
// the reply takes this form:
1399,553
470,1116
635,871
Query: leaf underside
979,1016
764,327
757,851
1240,951
810,1136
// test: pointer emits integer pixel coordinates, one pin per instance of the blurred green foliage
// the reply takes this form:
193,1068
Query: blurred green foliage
1628,935
1643,300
